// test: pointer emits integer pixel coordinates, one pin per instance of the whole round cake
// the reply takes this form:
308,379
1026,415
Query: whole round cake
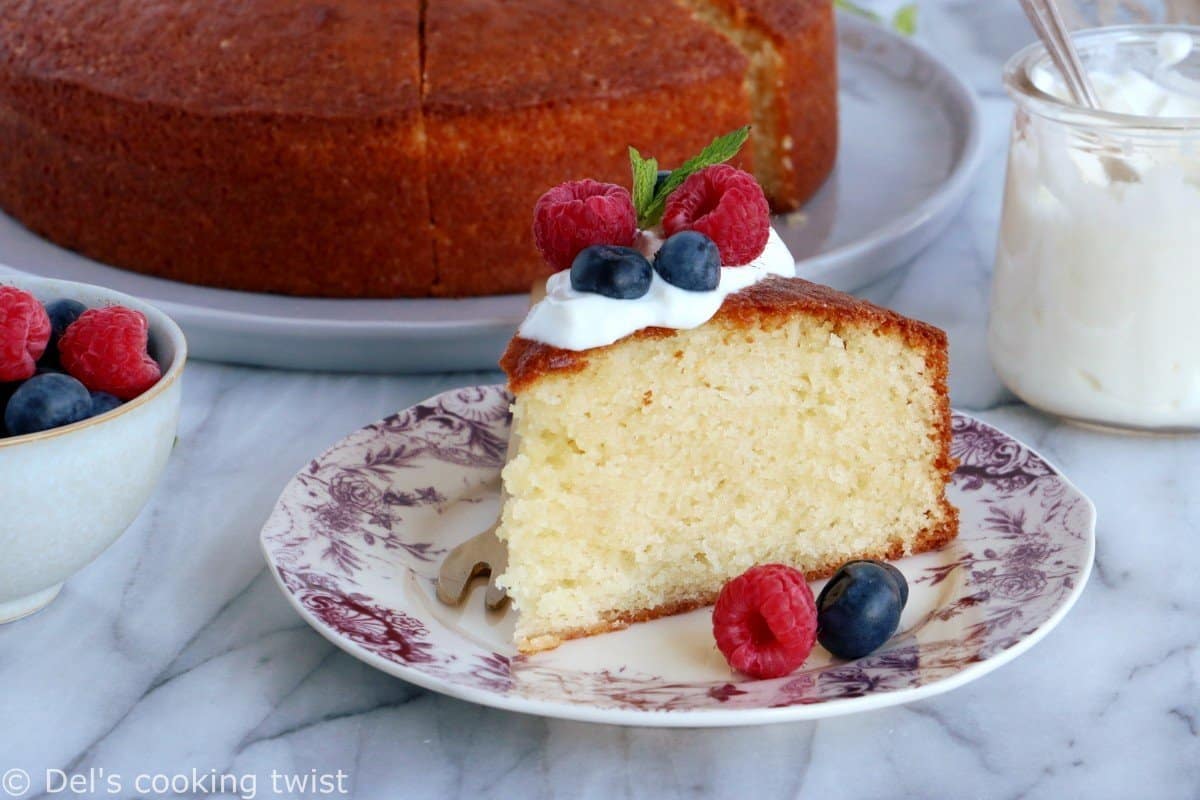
382,148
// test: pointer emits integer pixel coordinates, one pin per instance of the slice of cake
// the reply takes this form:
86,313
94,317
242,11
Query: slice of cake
678,421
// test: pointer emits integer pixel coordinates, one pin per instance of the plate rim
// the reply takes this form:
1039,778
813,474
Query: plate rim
205,323
700,717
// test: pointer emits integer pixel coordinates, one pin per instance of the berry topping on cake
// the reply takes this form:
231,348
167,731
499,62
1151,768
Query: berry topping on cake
574,215
106,349
608,237
689,260
46,401
618,272
765,621
859,609
725,204
24,333
652,186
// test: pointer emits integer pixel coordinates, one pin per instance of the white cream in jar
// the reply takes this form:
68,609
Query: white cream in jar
1096,295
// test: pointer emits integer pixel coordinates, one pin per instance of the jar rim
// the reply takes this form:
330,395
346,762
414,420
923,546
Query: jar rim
1022,89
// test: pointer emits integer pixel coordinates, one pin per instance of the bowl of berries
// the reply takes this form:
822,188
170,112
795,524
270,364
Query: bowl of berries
89,403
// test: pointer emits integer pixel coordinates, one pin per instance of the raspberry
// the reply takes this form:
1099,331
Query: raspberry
725,204
765,621
576,214
105,349
24,333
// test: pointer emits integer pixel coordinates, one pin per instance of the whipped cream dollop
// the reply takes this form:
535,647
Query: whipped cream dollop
1093,311
573,320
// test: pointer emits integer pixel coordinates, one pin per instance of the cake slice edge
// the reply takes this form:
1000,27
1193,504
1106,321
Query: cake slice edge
773,303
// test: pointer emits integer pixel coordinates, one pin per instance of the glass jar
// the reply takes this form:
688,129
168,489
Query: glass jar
1095,311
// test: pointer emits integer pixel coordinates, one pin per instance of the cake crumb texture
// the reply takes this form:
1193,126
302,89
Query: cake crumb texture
799,426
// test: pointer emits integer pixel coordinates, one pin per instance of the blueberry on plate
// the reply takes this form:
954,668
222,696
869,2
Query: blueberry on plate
46,401
62,313
618,272
896,575
102,403
689,260
859,609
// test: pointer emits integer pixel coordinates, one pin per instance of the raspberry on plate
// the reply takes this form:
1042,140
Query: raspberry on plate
24,333
765,621
105,349
576,214
725,204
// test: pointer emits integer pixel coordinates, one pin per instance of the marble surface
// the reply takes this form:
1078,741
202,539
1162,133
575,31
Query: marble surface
175,652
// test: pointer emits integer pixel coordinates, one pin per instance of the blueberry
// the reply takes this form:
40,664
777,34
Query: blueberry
46,401
896,575
102,403
618,272
689,260
859,609
62,313
663,174
6,391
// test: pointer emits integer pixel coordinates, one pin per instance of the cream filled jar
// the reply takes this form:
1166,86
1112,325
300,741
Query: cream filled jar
1095,311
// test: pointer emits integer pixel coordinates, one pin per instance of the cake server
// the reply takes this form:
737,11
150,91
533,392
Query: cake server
481,553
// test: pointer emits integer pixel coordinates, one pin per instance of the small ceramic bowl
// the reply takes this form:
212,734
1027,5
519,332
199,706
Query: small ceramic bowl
66,494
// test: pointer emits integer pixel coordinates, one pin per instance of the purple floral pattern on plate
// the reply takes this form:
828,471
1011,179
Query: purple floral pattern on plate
356,539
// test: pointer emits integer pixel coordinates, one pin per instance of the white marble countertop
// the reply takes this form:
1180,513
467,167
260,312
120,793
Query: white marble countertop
175,651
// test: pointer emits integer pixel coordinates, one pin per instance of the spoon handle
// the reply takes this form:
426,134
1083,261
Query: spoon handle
1050,27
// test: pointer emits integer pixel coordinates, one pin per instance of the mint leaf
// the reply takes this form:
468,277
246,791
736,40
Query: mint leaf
645,173
719,150
905,19
854,8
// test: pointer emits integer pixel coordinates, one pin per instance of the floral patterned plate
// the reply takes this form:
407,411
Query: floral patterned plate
357,537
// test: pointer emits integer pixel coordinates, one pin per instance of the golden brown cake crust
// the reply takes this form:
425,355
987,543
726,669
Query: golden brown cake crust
295,165
623,41
356,148
929,539
805,108
807,105
311,58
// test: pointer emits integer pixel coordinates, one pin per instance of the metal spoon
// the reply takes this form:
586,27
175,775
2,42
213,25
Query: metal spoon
1050,27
